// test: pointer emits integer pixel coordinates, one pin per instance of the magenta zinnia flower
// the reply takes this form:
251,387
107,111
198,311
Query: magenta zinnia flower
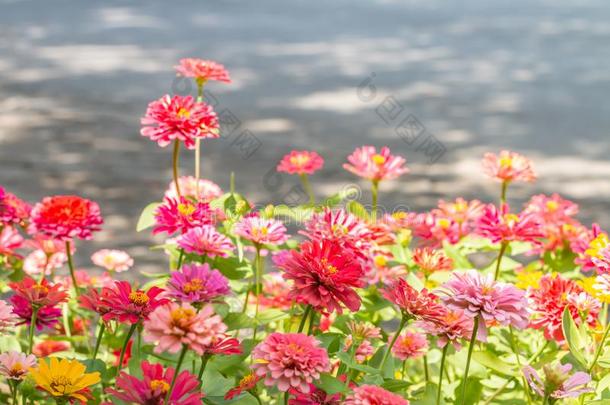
196,283
206,241
324,276
373,395
503,226
128,305
154,385
290,360
180,215
493,302
365,162
173,325
261,231
202,70
65,217
412,303
508,166
179,118
558,382
300,162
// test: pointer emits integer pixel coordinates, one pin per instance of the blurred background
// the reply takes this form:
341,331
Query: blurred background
441,83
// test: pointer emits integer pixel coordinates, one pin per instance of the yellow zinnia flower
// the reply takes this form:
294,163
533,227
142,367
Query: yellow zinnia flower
64,378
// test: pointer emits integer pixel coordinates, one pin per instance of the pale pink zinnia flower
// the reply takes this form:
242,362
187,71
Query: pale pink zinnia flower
290,360
373,395
38,261
451,327
202,70
208,190
500,225
492,302
7,318
508,166
300,162
16,365
410,345
261,231
112,260
173,325
365,162
558,382
179,118
206,241
196,283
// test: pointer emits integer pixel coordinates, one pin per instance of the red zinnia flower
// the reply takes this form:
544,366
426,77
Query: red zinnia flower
48,347
324,276
65,217
127,305
12,208
414,304
179,118
245,384
202,70
180,215
430,260
44,297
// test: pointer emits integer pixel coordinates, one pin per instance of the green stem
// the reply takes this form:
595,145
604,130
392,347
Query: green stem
32,328
71,267
312,321
516,351
403,321
426,373
374,192
470,348
308,189
204,362
286,396
124,349
99,339
599,349
180,259
175,157
503,194
176,372
440,374
503,247
498,391
258,275
13,392
304,319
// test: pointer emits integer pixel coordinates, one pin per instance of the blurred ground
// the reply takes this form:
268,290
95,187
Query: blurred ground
528,75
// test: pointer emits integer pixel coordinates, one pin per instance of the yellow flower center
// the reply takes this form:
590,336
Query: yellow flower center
138,297
339,229
329,267
247,380
597,245
61,384
511,219
444,223
159,385
41,289
299,160
552,205
506,162
295,347
194,285
184,113
378,159
380,261
180,314
186,209
17,369
262,231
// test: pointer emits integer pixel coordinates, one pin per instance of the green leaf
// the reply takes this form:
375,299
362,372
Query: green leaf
459,260
576,342
215,383
331,384
147,217
271,315
236,320
492,362
357,209
395,385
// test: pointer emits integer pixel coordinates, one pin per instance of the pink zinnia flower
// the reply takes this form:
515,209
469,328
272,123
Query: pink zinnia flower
154,385
128,305
180,215
181,119
368,164
12,209
65,217
261,231
503,226
202,70
316,396
429,260
45,297
373,395
412,303
196,283
112,260
558,382
342,227
324,276
10,240
410,345
38,261
452,326
7,317
493,302
548,302
290,360
300,162
508,166
599,253
275,292
206,241
208,190
173,325
16,365
461,211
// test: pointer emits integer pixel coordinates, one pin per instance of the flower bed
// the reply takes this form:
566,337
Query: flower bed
468,303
